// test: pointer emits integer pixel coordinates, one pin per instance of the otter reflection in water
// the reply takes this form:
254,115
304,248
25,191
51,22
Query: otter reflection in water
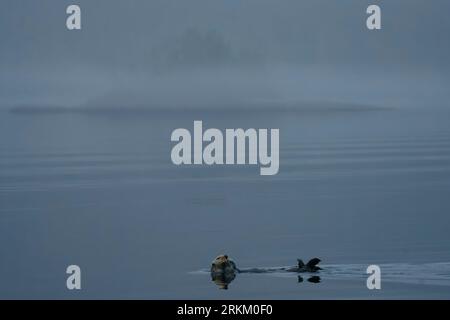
223,270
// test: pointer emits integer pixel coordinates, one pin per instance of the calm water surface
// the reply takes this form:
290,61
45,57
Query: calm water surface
99,190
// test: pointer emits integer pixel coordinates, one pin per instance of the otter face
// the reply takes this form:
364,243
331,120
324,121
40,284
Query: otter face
221,260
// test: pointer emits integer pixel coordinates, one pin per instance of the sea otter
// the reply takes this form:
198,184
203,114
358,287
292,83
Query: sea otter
222,264
223,270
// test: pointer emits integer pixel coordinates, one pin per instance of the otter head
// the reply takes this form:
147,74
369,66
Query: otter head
221,261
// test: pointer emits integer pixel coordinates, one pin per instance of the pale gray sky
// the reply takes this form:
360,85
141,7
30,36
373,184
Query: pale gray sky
137,40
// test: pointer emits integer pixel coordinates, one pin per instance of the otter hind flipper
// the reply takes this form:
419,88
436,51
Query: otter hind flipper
301,264
313,263
311,266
